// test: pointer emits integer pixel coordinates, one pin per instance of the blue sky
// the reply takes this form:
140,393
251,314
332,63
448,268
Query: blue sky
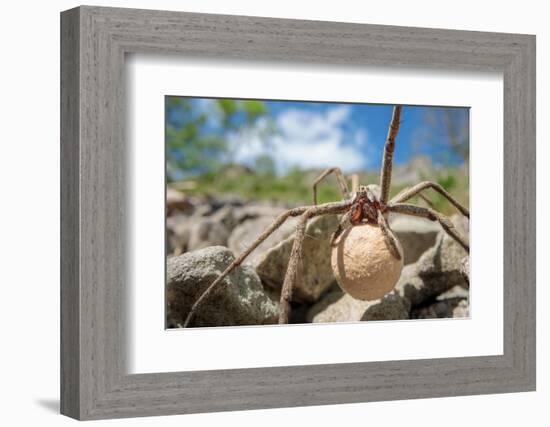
351,136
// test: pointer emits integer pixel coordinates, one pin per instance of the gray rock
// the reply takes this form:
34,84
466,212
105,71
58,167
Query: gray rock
438,270
177,233
455,292
338,307
206,233
246,233
239,300
203,209
225,199
462,309
465,269
252,211
225,216
176,201
391,307
189,233
415,234
315,276
450,307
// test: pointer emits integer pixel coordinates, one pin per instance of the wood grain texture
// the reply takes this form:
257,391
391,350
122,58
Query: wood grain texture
94,382
70,315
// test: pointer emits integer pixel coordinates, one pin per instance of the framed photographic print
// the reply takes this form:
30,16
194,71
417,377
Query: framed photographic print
260,213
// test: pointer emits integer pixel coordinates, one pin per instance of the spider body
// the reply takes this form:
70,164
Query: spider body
367,257
366,205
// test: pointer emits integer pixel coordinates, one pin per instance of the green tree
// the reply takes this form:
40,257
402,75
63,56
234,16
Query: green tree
196,132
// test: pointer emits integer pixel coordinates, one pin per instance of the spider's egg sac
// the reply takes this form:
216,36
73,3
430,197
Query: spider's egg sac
362,263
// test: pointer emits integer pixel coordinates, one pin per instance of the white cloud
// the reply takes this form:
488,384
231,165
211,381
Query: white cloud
305,138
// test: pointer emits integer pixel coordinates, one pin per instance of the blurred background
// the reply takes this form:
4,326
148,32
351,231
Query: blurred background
273,150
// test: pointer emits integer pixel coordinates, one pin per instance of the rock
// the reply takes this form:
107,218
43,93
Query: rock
239,300
391,307
462,309
206,232
176,201
315,276
246,233
415,234
327,309
461,223
455,292
338,307
298,313
189,233
450,307
177,233
252,211
203,209
220,200
226,217
438,270
465,269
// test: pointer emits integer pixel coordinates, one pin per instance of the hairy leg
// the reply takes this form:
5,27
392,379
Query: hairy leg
294,263
432,215
389,237
317,210
340,179
344,222
420,195
387,160
408,193
295,259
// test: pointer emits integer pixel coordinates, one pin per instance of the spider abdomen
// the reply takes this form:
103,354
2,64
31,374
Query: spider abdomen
362,263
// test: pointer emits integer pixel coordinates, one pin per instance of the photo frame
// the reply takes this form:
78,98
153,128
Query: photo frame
94,232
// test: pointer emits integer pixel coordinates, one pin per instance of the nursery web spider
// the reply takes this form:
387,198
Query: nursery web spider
369,204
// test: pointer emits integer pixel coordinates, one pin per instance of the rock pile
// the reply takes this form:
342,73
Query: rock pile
204,236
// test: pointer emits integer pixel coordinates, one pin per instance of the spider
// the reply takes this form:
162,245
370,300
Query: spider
368,205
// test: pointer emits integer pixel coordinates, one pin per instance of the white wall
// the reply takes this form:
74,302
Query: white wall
29,229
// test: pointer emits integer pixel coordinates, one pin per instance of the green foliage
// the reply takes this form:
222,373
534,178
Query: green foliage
453,179
264,165
196,140
295,187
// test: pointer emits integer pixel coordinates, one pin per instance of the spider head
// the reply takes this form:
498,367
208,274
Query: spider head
366,204
367,193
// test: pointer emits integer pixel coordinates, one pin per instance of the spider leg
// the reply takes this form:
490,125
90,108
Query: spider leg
341,225
426,200
314,211
410,192
432,215
387,160
296,253
389,236
274,226
294,263
354,183
340,179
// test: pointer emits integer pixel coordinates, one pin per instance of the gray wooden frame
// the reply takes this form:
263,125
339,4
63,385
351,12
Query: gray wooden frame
94,41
